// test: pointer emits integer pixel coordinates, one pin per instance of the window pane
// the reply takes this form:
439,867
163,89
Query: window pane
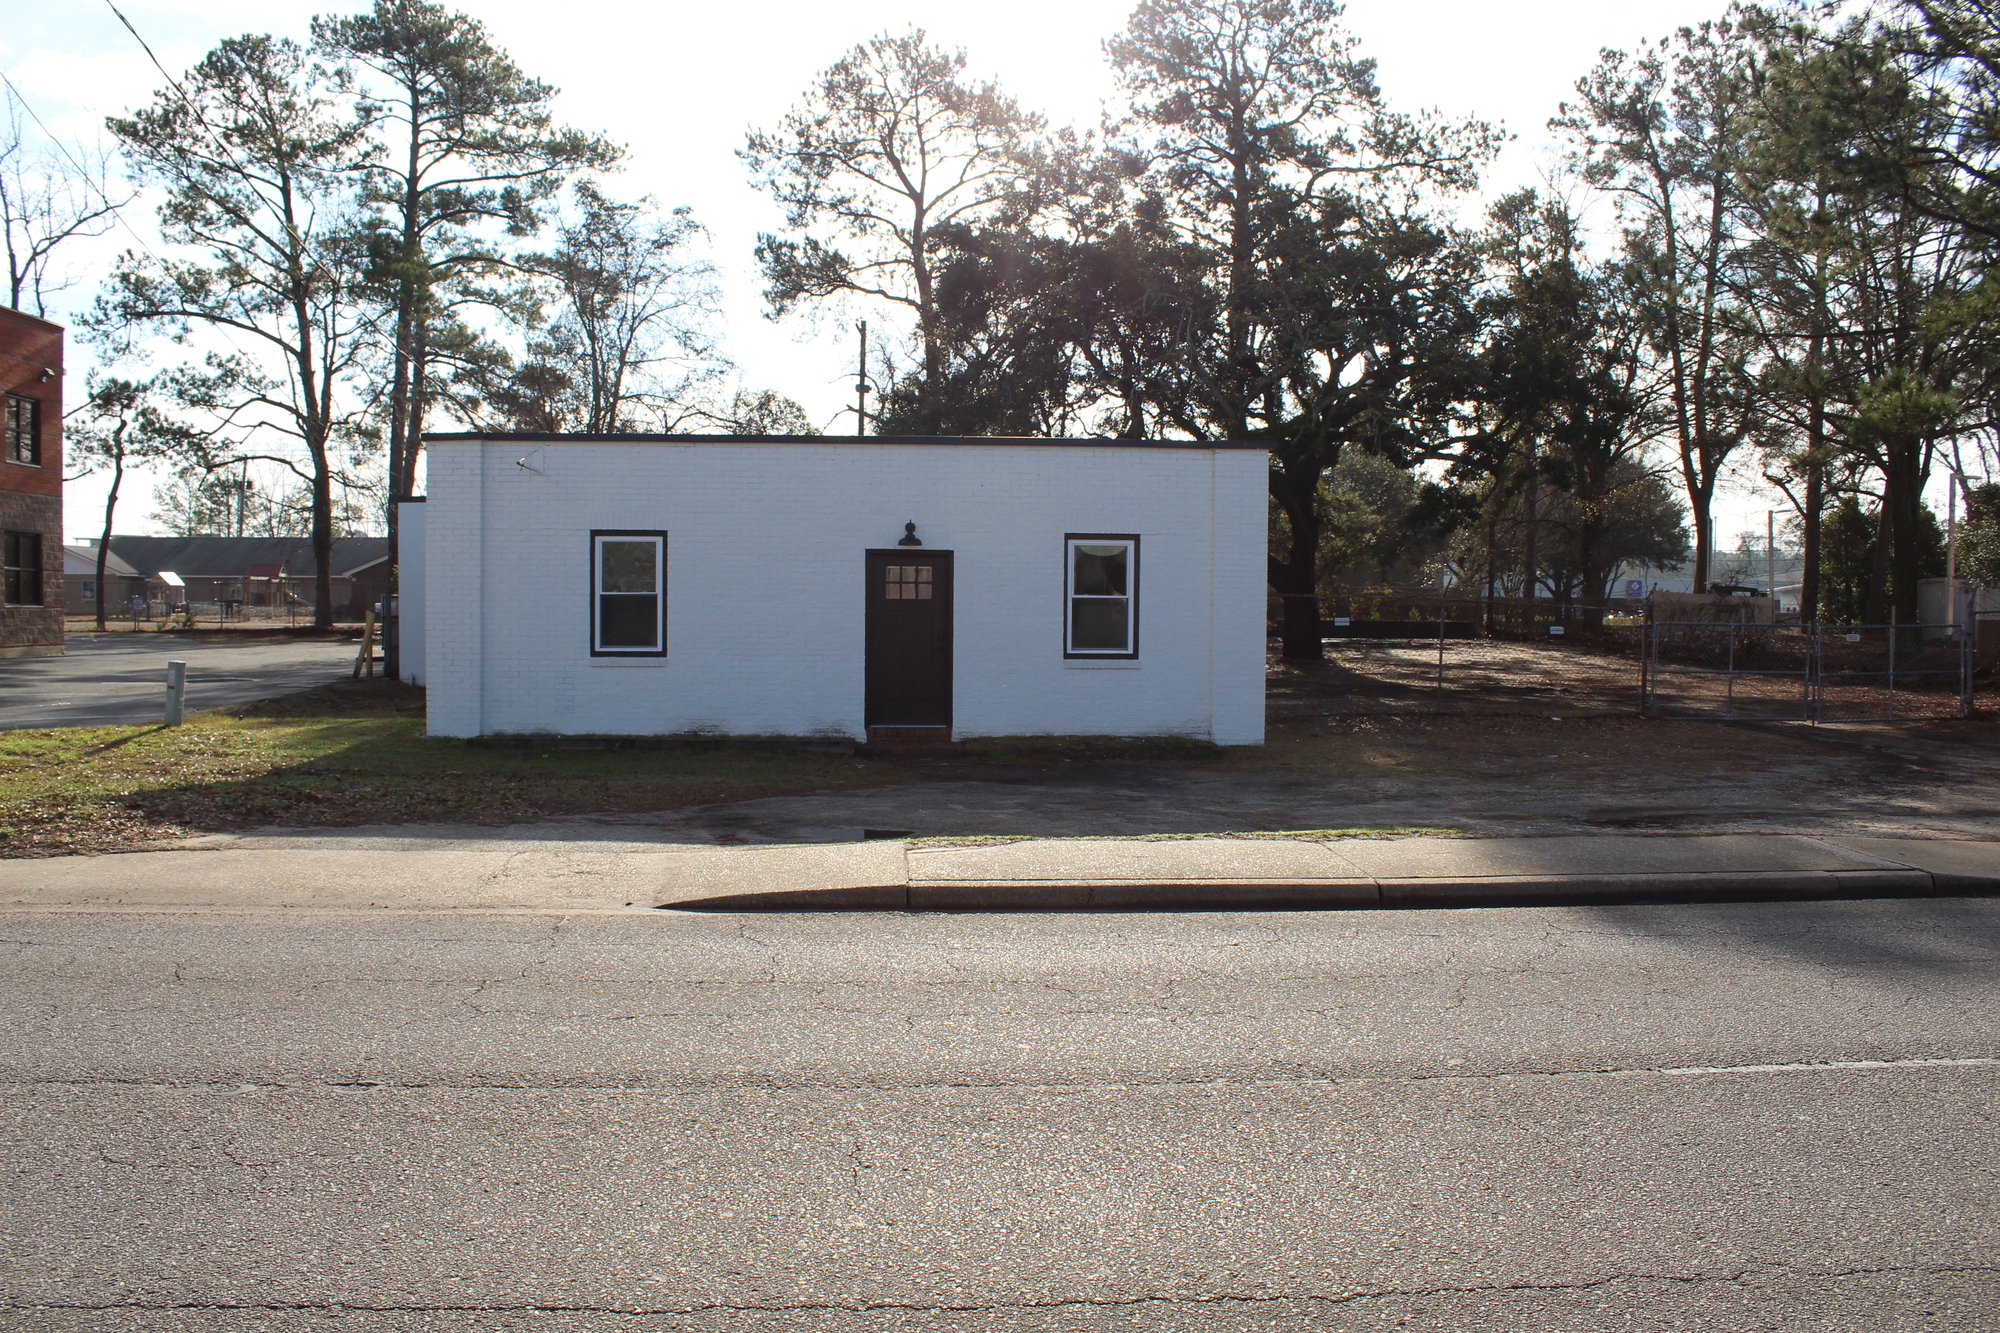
21,441
1097,624
628,566
1100,571
626,621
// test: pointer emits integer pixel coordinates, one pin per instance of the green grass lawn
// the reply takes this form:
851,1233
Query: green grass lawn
356,754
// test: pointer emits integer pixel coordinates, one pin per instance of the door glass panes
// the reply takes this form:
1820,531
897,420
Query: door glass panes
630,608
907,583
1100,597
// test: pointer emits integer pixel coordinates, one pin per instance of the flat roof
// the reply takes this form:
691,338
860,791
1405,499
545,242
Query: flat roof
541,437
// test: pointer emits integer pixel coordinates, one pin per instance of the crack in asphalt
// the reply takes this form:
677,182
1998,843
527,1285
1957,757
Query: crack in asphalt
1056,1303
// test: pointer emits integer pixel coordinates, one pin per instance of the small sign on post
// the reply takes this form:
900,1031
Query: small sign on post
177,679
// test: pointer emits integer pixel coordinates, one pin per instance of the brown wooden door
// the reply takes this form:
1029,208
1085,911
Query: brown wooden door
909,639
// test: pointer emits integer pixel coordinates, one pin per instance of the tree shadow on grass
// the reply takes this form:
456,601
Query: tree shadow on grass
354,753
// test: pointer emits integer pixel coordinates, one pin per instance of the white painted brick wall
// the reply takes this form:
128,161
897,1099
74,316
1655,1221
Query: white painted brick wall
410,592
766,579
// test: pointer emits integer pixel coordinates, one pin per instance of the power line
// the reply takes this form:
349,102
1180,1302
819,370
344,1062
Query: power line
221,144
83,173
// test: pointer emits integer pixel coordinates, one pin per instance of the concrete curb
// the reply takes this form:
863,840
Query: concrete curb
1023,875
1350,894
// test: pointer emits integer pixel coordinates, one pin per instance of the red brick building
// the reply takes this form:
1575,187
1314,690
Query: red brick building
31,370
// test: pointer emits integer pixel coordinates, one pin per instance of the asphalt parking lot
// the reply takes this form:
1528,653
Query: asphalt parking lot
106,679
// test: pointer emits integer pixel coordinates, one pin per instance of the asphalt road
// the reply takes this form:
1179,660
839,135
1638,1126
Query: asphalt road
1713,1117
106,679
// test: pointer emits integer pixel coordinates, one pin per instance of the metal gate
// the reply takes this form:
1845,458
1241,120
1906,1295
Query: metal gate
1807,673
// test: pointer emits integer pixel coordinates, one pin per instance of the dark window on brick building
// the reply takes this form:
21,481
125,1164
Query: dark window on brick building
24,440
24,568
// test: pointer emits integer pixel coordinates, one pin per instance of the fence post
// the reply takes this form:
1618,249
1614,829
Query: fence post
1441,615
1648,647
1807,695
177,673
1729,700
1964,670
1892,663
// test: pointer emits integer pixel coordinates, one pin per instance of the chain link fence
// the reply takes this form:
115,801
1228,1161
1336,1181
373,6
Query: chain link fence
1809,673
1402,652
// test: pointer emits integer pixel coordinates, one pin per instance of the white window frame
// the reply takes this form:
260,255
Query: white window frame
598,538
1129,540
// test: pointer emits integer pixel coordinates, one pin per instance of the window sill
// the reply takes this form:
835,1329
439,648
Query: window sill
628,661
1114,664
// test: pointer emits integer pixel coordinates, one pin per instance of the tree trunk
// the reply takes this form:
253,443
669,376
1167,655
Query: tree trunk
104,542
1903,501
1704,539
1810,554
1875,612
322,540
1295,578
1531,500
1492,574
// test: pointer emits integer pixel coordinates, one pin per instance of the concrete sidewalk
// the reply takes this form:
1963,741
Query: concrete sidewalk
1217,873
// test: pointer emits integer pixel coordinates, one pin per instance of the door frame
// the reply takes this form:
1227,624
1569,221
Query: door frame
946,559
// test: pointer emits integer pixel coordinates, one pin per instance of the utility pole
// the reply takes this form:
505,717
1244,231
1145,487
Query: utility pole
861,386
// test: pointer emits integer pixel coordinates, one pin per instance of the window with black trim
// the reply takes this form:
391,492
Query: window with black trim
628,594
1101,595
23,563
24,436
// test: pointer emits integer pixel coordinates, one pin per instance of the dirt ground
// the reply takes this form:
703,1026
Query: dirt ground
1510,776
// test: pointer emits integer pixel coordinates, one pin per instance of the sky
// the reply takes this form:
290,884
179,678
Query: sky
679,86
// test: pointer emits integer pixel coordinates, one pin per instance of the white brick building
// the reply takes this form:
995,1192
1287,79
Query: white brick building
648,585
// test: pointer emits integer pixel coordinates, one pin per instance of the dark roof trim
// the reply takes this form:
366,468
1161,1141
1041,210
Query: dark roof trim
536,437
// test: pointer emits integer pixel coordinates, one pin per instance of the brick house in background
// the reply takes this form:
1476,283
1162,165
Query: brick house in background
248,572
31,369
